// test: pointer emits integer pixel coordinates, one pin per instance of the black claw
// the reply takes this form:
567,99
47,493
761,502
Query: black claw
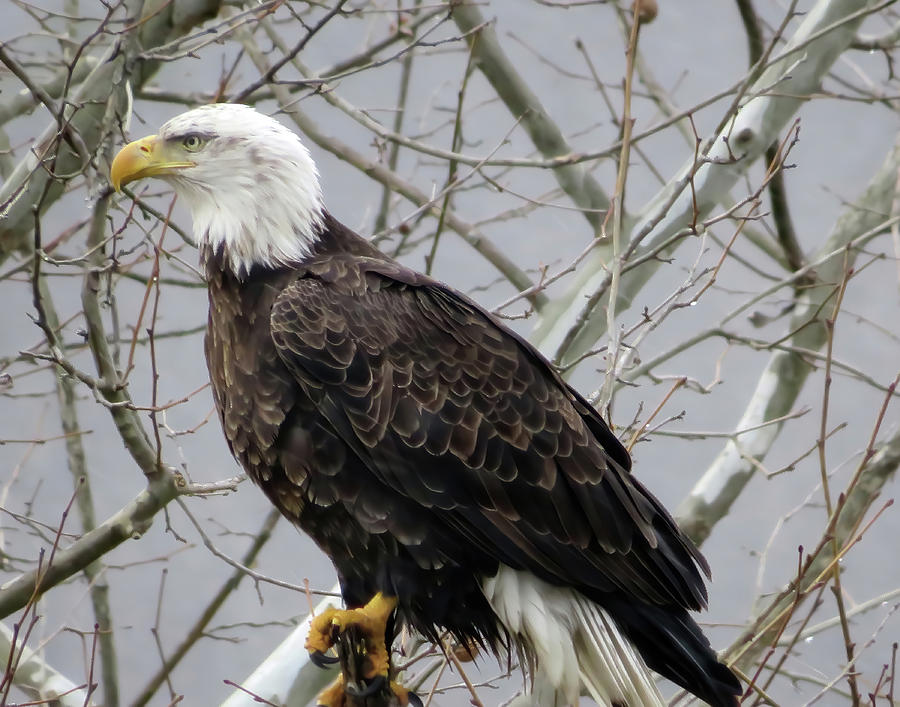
414,699
370,689
320,660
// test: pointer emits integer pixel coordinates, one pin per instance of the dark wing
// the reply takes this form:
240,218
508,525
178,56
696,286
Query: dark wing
447,407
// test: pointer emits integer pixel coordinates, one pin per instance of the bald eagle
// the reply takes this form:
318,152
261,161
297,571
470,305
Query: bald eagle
432,453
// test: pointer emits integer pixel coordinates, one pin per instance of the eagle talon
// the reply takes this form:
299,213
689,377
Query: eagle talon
321,660
414,700
373,686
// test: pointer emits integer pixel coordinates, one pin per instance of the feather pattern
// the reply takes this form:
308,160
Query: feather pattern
465,453
436,456
505,443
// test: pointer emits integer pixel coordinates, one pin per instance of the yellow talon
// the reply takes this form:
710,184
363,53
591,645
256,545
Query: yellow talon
370,623
371,620
319,637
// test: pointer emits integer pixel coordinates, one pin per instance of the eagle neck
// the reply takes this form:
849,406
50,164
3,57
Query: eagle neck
329,238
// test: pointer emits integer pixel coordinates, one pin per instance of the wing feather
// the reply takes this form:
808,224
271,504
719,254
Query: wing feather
447,407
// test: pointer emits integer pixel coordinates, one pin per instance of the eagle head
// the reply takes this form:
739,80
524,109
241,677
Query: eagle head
249,182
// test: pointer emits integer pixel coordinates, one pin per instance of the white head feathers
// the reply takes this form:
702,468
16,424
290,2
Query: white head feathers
254,191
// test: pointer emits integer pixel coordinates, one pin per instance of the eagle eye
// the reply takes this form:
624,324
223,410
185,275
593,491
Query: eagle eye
192,142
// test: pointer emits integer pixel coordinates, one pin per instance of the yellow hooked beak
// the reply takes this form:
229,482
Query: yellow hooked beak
147,157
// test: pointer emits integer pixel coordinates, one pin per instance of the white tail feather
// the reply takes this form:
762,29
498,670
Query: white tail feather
576,646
